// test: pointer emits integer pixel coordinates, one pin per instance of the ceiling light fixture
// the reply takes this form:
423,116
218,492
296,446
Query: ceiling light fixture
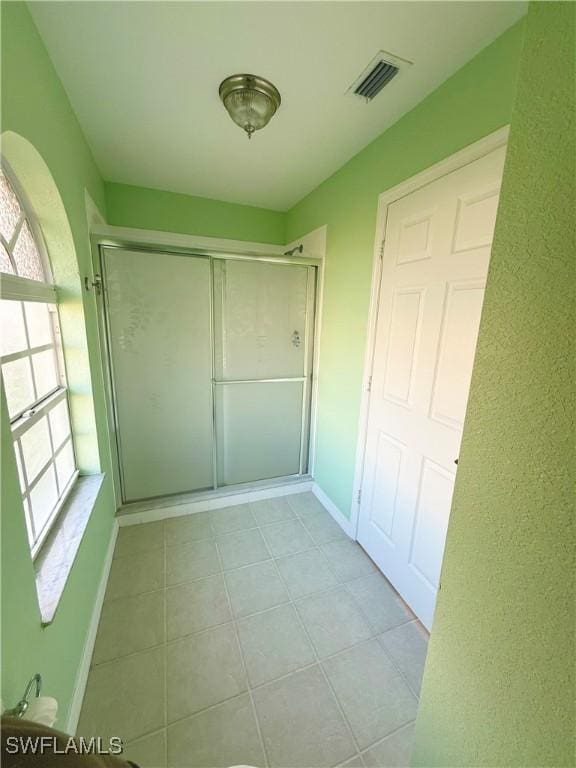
251,101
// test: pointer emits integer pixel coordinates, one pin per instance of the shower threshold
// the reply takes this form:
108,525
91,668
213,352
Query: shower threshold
199,501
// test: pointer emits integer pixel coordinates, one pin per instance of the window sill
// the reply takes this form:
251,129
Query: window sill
56,558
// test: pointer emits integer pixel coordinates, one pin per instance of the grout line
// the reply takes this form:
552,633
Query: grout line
190,542
290,601
323,672
396,665
209,708
388,735
205,630
235,621
245,669
375,636
378,635
144,736
222,574
241,694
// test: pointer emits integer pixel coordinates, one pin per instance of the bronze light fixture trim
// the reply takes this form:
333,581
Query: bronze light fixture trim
251,101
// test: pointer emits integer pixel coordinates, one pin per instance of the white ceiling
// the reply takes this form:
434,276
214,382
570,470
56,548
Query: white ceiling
143,79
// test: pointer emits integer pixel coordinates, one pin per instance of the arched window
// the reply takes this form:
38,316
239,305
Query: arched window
32,366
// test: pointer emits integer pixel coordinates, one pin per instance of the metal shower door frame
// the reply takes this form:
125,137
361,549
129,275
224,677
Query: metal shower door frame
305,379
110,244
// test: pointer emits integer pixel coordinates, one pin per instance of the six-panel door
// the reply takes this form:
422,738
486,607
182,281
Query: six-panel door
435,262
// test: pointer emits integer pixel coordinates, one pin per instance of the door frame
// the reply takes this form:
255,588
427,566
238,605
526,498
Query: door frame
469,154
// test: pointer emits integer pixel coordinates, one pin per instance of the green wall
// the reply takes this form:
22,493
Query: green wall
472,103
41,135
35,109
523,519
130,206
499,681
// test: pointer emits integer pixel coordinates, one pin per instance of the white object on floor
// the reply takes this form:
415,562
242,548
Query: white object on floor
43,710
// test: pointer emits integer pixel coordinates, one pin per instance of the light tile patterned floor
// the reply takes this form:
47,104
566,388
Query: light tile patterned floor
253,635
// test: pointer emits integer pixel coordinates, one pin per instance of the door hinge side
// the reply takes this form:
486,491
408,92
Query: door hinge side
369,384
359,495
382,249
96,283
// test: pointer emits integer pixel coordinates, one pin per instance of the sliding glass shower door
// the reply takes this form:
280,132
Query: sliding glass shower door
262,352
210,363
160,354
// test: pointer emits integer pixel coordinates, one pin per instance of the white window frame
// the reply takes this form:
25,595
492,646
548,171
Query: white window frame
21,289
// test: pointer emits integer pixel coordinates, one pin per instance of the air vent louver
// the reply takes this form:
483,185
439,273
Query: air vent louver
379,76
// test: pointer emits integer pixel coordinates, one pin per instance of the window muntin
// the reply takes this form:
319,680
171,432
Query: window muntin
30,365
33,374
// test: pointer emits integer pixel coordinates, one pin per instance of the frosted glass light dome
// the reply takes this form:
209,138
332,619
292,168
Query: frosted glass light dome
251,101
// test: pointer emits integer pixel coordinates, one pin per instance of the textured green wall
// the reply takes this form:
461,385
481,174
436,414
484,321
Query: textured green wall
35,106
35,109
130,206
499,682
472,103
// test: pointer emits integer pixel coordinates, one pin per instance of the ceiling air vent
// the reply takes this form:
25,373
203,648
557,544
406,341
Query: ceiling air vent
376,79
381,70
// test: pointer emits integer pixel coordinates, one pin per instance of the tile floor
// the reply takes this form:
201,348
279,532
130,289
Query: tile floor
253,635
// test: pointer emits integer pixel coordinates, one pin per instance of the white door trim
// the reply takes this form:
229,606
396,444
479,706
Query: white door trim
458,160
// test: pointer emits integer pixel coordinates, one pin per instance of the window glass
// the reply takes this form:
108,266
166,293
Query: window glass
18,385
65,465
26,255
5,263
45,373
36,448
59,424
43,498
38,323
33,381
13,331
9,209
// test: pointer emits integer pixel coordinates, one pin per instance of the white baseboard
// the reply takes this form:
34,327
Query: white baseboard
180,508
327,502
84,668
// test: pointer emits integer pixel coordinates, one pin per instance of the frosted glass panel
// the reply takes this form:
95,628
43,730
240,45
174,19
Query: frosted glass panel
45,373
260,319
26,256
59,423
38,322
43,498
159,324
10,210
259,428
5,263
12,330
65,465
18,385
36,448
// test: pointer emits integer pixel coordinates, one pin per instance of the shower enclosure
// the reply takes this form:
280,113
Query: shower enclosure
210,361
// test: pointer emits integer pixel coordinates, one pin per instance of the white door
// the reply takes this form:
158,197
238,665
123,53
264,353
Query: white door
435,262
